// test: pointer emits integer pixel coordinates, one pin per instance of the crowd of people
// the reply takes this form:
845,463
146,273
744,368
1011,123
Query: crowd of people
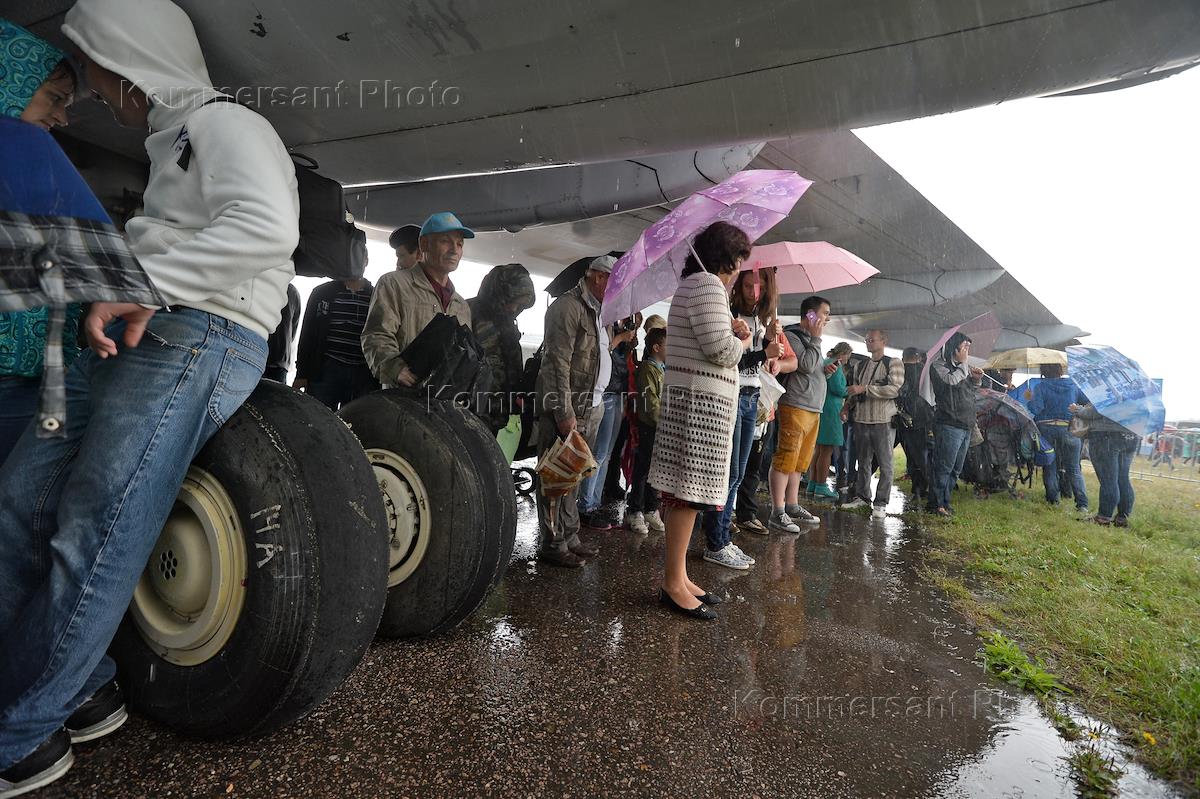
722,399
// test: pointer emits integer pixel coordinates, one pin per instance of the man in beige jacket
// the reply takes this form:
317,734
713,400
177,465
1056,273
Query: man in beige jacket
406,300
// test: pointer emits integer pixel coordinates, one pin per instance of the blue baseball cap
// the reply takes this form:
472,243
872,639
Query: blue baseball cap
445,222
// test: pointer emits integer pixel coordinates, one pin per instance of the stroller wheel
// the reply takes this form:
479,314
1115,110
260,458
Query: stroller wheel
525,480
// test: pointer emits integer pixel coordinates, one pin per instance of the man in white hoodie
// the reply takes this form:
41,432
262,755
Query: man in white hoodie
79,515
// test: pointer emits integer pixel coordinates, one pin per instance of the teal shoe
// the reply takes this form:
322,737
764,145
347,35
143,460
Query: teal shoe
823,491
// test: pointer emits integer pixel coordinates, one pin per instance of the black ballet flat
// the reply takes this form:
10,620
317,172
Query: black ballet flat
710,599
700,614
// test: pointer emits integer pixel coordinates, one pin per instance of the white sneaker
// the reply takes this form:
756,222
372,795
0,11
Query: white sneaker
802,516
636,522
654,521
738,551
782,523
725,557
878,512
857,502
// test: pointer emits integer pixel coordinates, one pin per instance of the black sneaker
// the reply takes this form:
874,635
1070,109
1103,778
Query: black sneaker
98,716
597,520
41,767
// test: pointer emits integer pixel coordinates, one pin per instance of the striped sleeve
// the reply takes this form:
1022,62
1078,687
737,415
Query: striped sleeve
708,309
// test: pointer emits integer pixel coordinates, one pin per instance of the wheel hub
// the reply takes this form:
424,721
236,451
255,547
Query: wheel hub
187,603
407,504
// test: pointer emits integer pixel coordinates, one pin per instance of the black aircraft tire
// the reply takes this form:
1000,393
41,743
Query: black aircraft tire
501,499
444,567
311,522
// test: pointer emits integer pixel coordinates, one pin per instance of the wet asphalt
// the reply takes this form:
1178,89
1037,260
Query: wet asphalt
834,670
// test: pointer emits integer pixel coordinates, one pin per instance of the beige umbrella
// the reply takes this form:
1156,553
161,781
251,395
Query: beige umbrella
1027,358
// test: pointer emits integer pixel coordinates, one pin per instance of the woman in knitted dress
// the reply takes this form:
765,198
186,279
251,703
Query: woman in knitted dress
692,449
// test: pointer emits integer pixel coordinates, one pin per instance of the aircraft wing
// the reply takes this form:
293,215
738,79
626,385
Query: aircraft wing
933,275
385,92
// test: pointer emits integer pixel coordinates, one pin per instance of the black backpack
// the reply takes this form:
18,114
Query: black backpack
330,244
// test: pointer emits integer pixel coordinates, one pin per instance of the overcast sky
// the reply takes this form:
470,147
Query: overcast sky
1090,202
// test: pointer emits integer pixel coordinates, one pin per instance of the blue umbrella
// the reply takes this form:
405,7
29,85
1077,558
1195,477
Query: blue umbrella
1117,388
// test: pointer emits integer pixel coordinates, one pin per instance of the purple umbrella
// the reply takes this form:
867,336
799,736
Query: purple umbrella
754,200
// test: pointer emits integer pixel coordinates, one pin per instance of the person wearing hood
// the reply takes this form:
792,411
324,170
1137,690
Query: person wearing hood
220,225
1052,398
506,291
954,384
36,86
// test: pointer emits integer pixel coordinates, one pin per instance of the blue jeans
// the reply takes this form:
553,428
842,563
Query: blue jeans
134,423
18,406
1112,455
592,490
950,446
1067,449
716,523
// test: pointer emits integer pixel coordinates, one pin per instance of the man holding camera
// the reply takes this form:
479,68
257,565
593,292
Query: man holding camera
877,383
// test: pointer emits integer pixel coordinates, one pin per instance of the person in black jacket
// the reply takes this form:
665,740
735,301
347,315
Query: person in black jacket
330,364
279,343
916,426
954,386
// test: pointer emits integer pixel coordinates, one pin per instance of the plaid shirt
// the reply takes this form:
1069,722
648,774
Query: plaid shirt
53,261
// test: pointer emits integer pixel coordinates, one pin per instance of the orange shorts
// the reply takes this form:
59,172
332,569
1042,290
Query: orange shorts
797,439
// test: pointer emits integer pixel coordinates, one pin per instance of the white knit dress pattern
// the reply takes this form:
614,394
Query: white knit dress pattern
694,441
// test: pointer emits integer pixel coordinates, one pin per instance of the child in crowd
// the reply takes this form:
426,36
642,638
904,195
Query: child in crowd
642,507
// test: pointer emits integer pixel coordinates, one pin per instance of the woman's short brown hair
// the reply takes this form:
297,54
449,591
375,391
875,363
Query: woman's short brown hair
1052,370
719,246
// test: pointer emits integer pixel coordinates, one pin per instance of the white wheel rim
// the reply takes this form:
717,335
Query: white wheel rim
407,504
188,600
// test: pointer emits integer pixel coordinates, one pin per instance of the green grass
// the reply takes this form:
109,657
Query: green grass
1095,775
1003,658
1115,612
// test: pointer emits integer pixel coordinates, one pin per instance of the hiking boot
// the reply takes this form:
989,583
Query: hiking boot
1082,514
782,523
654,522
726,557
1103,521
583,550
567,560
100,715
753,526
39,768
878,512
738,551
636,522
1120,521
857,502
801,516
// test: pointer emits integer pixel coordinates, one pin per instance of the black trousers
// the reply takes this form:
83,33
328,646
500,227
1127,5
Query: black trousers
642,497
915,442
747,505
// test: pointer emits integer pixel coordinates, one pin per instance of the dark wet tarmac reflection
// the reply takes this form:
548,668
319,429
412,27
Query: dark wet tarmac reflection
833,671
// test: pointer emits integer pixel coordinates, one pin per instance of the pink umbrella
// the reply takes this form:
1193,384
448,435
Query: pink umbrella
983,331
806,267
754,200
